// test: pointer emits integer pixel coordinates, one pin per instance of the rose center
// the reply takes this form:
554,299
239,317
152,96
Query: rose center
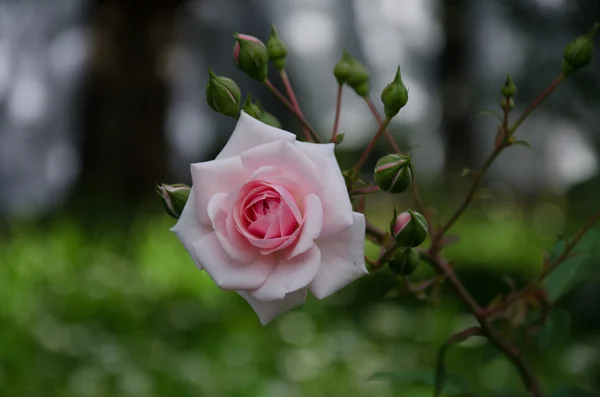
266,212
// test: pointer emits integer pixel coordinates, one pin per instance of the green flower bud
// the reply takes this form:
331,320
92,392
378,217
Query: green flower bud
342,69
405,261
394,96
250,56
173,197
579,52
511,103
362,89
393,173
358,78
276,49
251,109
223,95
509,89
350,71
409,229
269,119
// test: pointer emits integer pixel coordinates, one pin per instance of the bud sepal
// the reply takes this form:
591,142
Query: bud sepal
409,229
579,52
276,49
223,95
251,109
250,56
394,96
394,173
173,197
405,261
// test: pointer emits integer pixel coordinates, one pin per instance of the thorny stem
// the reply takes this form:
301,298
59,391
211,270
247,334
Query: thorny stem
513,354
536,102
436,239
290,93
502,143
291,108
442,267
570,246
338,107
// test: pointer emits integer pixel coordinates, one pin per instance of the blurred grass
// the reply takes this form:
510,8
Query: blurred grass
124,312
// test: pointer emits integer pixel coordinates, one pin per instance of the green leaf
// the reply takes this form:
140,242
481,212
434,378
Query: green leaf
490,113
579,267
555,329
339,138
523,143
454,385
570,391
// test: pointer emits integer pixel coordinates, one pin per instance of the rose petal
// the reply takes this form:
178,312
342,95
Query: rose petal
311,228
333,193
249,132
189,229
290,161
228,273
342,258
268,310
235,245
216,176
290,275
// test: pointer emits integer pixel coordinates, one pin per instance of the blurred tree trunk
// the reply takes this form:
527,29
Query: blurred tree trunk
126,100
456,85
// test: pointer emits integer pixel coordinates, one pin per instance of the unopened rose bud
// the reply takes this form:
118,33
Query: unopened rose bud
511,103
394,96
405,261
350,71
342,69
251,109
579,52
509,89
173,197
393,173
250,56
269,119
276,49
223,95
409,229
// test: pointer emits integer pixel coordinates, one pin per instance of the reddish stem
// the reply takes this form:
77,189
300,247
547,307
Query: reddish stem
369,148
364,190
292,95
536,102
338,108
291,108
380,119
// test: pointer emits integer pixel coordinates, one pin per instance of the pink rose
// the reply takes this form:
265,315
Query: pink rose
270,218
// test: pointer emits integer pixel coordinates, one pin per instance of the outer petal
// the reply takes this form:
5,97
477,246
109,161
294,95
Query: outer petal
311,228
290,275
289,160
268,310
342,258
216,176
249,133
228,273
189,229
333,193
234,244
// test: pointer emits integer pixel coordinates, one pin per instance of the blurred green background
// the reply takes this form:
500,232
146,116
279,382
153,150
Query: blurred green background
101,99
